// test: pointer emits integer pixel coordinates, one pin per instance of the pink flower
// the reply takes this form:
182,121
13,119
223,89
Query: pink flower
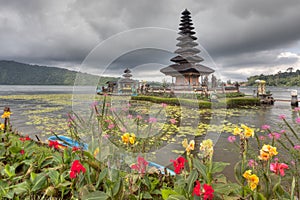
252,163
164,105
123,129
111,126
282,116
152,120
265,127
128,104
129,116
298,120
297,147
297,109
141,165
282,131
262,137
274,135
139,117
231,138
173,121
278,168
107,121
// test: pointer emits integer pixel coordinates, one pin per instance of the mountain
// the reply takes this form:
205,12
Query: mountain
15,73
287,78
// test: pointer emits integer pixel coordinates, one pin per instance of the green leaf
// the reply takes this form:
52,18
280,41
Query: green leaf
39,182
201,168
176,197
147,195
191,180
98,195
167,192
54,176
21,188
226,189
218,167
15,150
117,187
9,170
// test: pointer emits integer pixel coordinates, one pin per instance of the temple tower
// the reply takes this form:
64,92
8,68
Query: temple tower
187,69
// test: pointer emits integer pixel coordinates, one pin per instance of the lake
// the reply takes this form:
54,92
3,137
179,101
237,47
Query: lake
38,110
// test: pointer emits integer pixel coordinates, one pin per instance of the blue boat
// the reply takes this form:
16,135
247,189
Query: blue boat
69,142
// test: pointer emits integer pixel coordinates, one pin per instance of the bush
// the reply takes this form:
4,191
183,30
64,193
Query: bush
242,101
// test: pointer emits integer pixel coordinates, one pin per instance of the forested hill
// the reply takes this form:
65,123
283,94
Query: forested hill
15,73
287,78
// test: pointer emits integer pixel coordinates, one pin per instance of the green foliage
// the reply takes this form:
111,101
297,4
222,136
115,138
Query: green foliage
14,73
279,79
242,101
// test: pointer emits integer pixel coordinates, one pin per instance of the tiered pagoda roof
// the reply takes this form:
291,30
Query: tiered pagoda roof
187,59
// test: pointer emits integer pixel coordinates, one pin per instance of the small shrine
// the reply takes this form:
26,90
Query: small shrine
127,85
187,69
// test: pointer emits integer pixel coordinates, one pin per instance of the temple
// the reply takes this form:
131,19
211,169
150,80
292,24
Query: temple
187,69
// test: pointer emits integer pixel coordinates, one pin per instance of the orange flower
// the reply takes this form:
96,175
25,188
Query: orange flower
267,151
252,179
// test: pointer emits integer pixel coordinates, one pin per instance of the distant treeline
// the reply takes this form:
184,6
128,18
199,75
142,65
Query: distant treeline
15,73
287,78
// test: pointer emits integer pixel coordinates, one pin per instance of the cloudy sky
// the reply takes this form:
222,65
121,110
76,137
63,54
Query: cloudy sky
238,38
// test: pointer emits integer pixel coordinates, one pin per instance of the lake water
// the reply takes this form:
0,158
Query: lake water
33,115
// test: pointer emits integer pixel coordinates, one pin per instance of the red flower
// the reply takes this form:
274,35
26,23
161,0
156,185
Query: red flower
23,139
278,168
22,152
208,192
141,165
178,164
54,144
197,189
76,168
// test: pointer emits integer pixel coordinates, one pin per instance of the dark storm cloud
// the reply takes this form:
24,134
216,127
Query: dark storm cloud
236,34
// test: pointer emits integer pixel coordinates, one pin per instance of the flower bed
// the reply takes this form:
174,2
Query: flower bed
270,170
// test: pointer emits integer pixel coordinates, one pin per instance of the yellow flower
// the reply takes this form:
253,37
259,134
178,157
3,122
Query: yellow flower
253,181
6,114
125,138
264,156
188,146
248,132
247,174
237,131
207,147
206,144
1,126
128,138
191,146
131,140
